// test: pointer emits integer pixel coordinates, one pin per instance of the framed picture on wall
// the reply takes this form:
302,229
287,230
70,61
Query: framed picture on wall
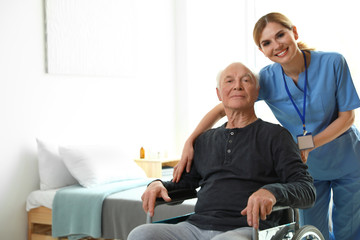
90,37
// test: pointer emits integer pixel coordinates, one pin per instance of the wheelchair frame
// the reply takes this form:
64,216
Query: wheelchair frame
288,231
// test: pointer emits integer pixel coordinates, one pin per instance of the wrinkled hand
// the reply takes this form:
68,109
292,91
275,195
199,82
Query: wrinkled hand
185,161
155,190
260,203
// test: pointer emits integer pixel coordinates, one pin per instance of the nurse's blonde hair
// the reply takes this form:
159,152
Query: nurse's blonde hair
275,17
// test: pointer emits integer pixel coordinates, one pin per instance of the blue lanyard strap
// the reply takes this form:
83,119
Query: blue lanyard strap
302,116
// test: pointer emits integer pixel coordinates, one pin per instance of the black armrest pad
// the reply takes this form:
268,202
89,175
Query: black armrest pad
289,214
178,196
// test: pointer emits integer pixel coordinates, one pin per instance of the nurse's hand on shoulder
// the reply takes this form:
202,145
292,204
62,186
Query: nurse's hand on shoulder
185,161
305,155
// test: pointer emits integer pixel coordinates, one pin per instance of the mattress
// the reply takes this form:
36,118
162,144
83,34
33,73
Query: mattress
45,198
40,198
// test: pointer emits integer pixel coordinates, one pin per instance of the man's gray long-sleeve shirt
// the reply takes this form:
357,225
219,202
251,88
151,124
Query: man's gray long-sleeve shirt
231,164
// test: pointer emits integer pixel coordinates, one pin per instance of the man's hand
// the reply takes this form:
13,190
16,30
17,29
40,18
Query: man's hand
155,190
260,203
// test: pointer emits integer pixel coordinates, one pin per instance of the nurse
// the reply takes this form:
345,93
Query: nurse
311,94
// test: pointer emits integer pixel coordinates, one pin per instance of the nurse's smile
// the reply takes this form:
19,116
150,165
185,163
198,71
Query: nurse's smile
283,53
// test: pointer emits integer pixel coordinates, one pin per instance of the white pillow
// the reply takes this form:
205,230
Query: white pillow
52,170
96,165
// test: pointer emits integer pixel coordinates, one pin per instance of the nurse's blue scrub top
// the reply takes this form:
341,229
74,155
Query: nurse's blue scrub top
330,90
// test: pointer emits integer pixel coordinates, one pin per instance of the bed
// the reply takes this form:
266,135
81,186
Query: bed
68,173
121,212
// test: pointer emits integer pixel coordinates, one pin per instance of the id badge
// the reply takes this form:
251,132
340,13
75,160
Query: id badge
305,141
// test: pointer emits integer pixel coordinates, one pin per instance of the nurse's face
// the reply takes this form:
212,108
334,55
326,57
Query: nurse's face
278,43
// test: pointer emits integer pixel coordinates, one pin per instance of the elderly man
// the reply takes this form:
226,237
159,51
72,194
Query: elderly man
243,168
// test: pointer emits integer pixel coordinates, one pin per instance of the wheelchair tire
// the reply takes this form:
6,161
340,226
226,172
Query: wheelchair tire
308,232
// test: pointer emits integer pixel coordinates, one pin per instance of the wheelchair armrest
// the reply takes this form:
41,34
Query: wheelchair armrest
279,208
292,216
178,196
293,213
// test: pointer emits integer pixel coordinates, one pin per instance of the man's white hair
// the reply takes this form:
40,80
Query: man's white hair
218,77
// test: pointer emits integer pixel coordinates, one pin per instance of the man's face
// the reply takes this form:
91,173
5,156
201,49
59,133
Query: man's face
237,87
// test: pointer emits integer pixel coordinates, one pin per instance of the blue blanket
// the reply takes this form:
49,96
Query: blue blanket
76,211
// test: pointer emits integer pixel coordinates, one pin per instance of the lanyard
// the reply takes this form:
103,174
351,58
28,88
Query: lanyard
302,116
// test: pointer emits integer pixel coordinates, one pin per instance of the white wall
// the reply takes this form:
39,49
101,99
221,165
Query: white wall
76,109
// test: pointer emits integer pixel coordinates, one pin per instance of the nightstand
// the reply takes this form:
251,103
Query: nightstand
153,167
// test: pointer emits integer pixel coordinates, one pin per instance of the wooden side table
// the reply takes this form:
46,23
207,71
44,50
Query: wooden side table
153,167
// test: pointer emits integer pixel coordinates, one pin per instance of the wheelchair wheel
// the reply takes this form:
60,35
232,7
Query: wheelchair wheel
308,232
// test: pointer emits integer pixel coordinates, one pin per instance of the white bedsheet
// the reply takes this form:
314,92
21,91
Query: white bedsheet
40,198
45,198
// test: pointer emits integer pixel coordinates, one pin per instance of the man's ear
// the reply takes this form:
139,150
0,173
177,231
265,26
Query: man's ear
218,94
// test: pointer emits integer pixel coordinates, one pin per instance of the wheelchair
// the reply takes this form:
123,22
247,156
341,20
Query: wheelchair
289,230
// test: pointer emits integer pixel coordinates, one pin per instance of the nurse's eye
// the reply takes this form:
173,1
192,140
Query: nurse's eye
265,43
280,35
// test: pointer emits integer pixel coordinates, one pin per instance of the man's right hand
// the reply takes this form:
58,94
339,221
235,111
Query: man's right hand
155,190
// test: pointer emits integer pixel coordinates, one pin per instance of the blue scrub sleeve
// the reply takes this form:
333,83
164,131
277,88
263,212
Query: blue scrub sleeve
346,95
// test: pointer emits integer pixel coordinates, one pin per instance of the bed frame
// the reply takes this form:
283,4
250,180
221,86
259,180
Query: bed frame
39,224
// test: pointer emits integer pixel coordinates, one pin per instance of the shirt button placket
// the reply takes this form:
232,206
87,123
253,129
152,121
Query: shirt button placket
228,147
